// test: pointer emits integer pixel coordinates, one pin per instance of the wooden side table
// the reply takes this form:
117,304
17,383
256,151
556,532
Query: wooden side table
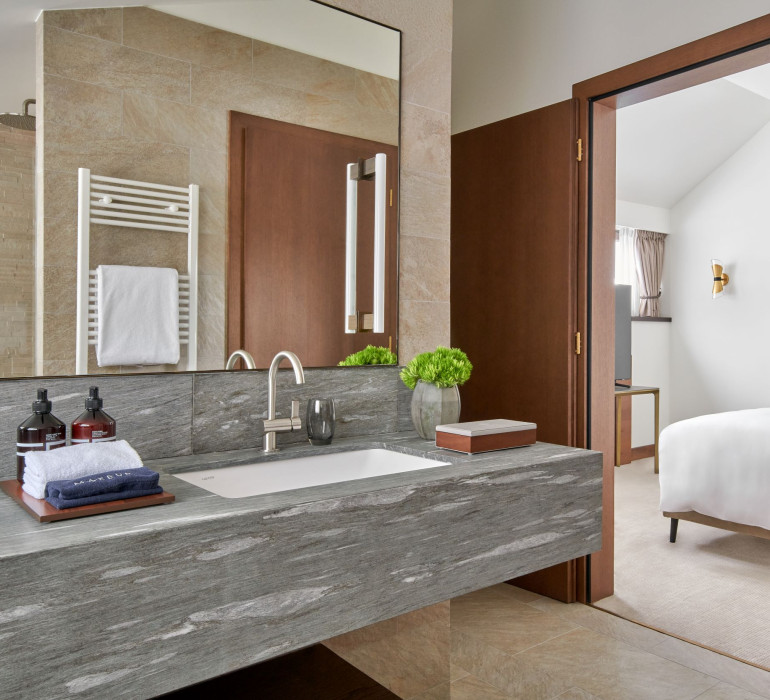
620,392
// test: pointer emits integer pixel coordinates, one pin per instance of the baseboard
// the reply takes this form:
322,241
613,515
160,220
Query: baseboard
642,452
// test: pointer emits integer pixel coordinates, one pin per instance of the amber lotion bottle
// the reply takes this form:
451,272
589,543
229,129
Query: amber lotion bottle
93,425
41,431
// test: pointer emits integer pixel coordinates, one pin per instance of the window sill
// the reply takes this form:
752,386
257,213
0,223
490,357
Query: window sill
653,319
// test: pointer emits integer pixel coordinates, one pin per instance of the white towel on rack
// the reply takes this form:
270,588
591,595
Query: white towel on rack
138,315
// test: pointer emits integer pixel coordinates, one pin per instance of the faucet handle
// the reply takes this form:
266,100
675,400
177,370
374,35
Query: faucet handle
296,421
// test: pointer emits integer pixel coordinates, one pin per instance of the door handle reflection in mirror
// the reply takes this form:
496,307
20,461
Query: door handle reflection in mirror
372,168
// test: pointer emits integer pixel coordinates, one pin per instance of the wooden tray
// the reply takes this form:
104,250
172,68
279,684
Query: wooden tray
42,510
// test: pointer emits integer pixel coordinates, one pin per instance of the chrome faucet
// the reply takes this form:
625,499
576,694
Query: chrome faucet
245,356
275,425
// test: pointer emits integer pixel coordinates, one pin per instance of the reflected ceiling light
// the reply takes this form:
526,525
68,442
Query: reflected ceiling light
720,278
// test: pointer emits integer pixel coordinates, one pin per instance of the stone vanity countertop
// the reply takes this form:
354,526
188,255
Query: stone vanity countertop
22,535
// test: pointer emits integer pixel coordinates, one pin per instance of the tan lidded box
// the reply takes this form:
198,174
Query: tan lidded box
485,435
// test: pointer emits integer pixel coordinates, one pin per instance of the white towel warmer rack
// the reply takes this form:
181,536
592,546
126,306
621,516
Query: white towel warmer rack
134,204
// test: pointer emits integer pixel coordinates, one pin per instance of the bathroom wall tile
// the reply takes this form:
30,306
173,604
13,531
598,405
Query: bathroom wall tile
424,269
82,105
60,193
103,23
211,255
425,205
208,169
423,83
115,245
229,407
66,149
59,336
90,60
150,119
422,326
299,71
154,419
338,116
59,289
425,135
61,241
376,92
164,34
228,91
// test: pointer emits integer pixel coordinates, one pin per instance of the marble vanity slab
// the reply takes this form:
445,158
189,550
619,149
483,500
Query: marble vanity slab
139,603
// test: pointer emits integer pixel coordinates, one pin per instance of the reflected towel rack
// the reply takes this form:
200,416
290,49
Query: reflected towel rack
134,204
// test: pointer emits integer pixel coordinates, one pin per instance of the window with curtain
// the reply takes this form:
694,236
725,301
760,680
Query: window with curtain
625,265
639,262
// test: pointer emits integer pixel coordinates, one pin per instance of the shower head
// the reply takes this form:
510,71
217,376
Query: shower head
20,121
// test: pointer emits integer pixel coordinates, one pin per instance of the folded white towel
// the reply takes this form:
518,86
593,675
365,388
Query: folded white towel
138,311
75,461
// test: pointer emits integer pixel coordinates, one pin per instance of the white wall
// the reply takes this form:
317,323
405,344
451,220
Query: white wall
512,56
651,357
719,348
650,341
642,216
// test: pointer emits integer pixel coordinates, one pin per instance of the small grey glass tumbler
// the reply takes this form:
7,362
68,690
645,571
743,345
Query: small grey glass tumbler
320,421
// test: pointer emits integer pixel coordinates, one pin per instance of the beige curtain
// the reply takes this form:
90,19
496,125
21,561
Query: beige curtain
649,247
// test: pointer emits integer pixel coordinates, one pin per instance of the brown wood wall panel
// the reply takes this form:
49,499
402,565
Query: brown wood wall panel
514,273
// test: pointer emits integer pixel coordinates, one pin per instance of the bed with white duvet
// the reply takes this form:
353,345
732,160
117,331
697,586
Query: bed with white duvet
715,470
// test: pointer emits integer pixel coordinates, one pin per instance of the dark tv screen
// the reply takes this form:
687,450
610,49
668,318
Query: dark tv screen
622,331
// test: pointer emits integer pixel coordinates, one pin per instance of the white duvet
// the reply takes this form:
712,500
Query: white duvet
718,465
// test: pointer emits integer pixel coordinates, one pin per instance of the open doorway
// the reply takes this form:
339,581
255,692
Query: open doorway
707,216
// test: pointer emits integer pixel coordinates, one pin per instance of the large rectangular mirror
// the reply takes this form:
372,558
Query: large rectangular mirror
153,94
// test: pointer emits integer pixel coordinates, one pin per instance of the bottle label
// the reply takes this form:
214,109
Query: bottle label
76,441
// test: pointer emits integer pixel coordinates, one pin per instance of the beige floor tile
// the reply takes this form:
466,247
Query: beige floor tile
611,669
439,692
509,675
602,622
456,672
472,688
575,694
500,620
725,691
721,667
407,662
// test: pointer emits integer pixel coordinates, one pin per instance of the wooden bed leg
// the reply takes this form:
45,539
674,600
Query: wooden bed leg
674,525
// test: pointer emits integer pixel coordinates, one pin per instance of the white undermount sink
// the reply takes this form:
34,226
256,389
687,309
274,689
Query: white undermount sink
315,470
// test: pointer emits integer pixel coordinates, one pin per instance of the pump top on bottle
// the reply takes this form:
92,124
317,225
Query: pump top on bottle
93,425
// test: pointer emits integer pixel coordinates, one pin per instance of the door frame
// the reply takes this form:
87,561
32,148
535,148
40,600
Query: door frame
732,50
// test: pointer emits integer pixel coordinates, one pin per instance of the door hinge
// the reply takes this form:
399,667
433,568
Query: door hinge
577,343
580,150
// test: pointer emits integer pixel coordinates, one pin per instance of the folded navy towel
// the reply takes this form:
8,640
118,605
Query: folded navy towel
102,487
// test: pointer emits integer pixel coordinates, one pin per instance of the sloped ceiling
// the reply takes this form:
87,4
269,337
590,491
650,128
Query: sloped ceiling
668,145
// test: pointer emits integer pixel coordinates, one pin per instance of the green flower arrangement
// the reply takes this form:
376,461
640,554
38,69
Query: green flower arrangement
444,367
370,355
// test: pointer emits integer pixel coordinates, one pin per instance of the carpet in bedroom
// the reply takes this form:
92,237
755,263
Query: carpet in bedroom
711,587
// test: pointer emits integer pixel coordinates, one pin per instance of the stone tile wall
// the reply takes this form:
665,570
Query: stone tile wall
204,412
17,252
139,94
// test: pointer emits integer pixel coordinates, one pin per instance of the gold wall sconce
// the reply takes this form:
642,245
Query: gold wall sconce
720,278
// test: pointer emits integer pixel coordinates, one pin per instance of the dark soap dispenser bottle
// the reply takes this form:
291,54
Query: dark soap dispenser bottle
93,425
41,431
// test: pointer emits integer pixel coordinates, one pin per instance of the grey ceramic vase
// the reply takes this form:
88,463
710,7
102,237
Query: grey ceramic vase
432,406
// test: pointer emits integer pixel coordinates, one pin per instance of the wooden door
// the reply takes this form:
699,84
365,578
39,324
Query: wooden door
514,292
286,241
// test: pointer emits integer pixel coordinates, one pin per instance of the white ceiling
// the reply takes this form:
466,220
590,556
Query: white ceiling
296,24
666,146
